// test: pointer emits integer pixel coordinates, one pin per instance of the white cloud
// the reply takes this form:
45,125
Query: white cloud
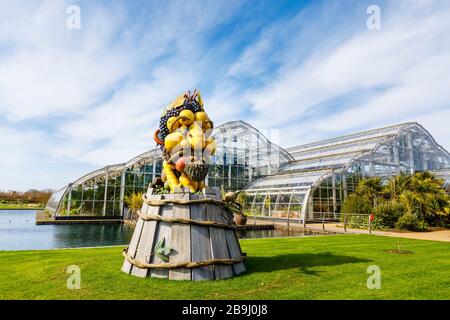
123,126
402,72
93,97
49,69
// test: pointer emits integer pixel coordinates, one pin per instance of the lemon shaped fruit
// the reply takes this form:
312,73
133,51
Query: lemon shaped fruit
186,117
207,128
184,180
197,142
184,144
195,131
173,140
195,125
201,116
172,123
210,146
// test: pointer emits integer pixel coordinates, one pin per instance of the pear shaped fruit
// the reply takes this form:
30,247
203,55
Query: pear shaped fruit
186,117
210,146
197,142
172,124
195,131
172,140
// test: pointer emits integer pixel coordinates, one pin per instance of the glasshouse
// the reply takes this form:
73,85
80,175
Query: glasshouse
301,182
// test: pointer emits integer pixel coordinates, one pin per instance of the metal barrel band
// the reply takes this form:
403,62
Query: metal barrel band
189,264
206,223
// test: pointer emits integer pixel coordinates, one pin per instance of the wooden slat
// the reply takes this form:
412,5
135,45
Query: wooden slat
163,230
128,267
200,243
146,241
181,240
233,245
219,248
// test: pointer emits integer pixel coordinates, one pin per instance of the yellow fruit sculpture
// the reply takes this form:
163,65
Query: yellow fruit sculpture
184,137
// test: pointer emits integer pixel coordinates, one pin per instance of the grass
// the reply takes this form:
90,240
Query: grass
319,267
21,206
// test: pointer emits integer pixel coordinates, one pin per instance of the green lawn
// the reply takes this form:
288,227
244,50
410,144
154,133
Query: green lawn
320,267
21,206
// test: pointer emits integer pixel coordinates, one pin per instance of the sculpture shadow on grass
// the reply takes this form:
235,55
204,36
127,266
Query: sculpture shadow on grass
302,261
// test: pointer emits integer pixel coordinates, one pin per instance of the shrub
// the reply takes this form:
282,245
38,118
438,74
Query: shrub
357,222
134,202
410,222
361,205
357,204
410,202
387,215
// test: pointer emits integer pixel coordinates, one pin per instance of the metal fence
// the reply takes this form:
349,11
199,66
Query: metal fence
348,220
344,219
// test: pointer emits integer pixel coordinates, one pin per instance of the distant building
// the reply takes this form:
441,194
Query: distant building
298,183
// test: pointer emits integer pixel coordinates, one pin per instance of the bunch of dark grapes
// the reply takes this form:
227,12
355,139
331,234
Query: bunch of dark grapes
194,106
163,130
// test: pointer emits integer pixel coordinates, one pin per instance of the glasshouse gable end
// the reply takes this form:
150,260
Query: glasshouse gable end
304,183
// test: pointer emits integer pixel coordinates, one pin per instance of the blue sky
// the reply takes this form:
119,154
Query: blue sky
75,100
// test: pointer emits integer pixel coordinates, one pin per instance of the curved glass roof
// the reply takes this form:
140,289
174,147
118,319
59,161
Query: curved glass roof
100,173
241,135
301,180
444,175
318,158
314,161
55,199
270,168
143,158
360,141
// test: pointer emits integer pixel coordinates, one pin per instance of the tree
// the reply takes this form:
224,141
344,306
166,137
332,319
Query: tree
396,186
419,200
370,188
432,200
134,202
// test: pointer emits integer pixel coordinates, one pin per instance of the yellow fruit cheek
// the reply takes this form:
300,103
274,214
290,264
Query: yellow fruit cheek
195,131
197,142
173,124
211,147
184,144
186,122
172,140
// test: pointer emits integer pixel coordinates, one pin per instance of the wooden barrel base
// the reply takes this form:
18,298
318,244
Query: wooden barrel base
199,238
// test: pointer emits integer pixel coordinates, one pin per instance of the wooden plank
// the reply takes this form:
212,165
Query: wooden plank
212,192
145,246
233,244
127,267
181,240
163,231
200,243
219,248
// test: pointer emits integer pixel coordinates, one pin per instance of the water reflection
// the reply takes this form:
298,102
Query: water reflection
18,231
243,234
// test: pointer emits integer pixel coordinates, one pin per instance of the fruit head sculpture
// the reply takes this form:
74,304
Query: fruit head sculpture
184,136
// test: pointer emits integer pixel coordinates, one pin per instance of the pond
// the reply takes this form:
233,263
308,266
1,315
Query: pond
274,233
18,231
